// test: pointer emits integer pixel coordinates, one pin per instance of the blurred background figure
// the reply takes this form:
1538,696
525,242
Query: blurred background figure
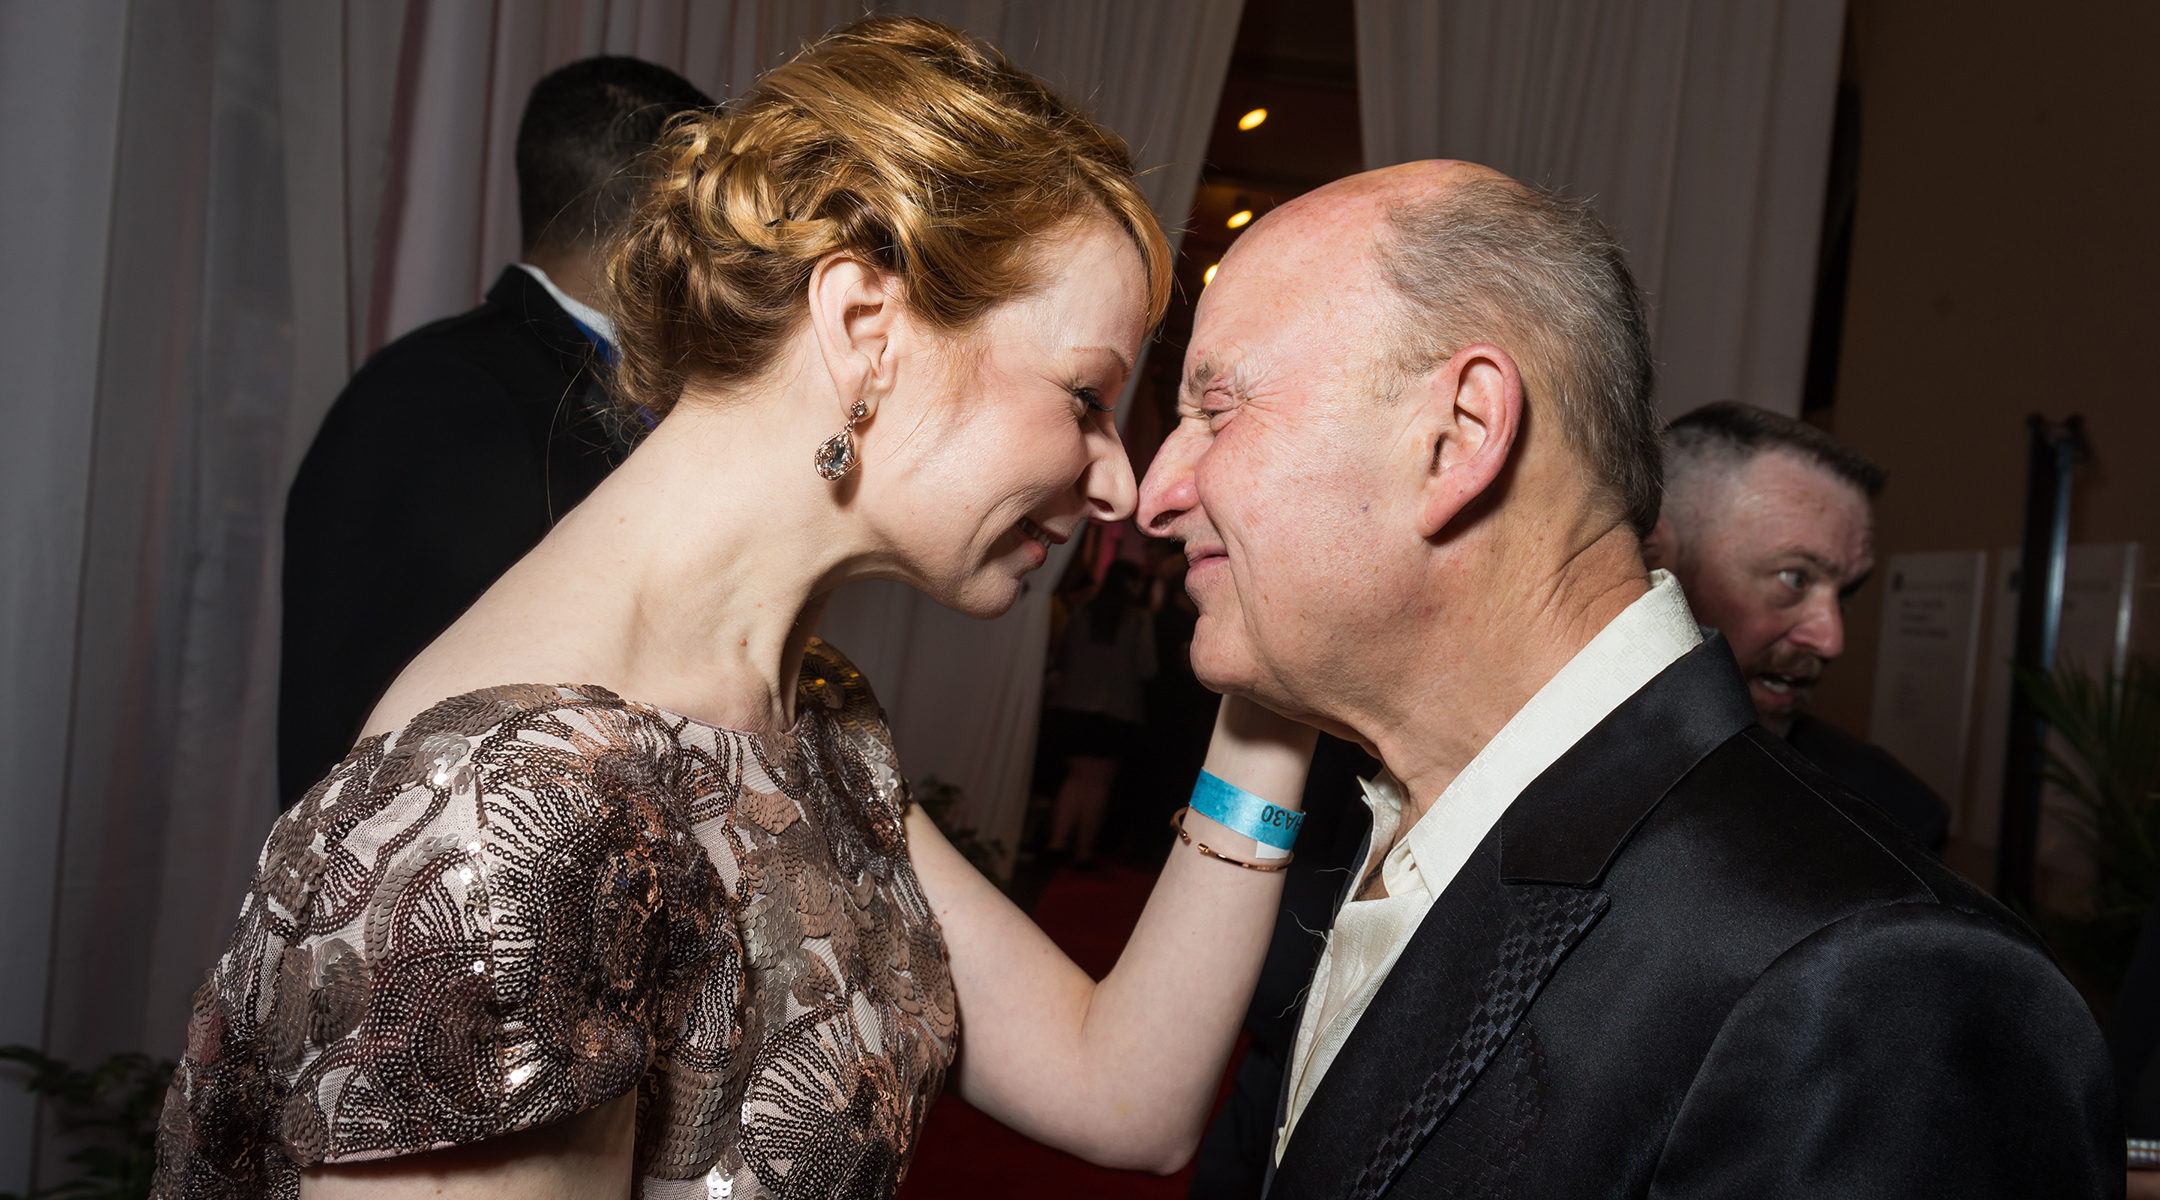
456,447
1768,526
1097,701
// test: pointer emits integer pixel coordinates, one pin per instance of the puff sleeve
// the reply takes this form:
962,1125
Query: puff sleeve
491,919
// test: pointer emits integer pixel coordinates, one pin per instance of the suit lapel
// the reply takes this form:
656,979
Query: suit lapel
1470,971
1492,939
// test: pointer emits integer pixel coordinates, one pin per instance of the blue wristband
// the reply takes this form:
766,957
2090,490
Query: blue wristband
1271,825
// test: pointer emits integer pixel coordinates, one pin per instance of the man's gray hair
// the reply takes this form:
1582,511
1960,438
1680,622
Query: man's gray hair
1732,434
1539,275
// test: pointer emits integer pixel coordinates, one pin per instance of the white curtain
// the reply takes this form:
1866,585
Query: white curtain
449,219
1700,127
213,210
55,220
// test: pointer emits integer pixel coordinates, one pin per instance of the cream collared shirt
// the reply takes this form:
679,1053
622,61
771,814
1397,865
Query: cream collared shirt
1369,935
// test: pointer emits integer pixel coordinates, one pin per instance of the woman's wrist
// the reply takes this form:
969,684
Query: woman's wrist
1261,752
1253,782
1273,827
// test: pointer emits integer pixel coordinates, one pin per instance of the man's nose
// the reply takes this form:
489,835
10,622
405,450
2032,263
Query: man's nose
1822,632
1169,491
1108,484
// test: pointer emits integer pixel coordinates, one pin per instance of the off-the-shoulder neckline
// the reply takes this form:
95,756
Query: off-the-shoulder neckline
794,732
568,693
572,695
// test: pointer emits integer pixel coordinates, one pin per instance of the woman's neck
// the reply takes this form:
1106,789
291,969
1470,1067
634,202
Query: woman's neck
693,577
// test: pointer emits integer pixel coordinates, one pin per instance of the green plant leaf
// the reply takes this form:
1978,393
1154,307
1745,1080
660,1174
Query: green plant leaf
114,1104
2106,759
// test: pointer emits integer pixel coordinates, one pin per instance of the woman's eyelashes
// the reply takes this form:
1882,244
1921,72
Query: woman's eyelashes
1090,400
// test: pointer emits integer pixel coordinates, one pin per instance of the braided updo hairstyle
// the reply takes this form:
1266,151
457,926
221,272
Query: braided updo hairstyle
915,147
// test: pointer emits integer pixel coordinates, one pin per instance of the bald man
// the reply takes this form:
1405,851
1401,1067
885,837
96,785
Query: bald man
1604,934
1767,524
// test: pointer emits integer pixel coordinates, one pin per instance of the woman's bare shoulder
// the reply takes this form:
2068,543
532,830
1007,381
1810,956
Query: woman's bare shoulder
536,624
465,663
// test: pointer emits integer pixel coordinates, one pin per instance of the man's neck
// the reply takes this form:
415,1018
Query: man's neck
1476,672
581,274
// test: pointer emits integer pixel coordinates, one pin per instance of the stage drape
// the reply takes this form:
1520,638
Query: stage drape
55,218
1700,127
213,211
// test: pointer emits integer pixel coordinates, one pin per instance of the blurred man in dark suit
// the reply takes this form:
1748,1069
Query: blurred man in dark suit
457,446
1767,525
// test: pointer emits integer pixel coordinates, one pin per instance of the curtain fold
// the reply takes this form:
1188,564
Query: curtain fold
1701,128
223,206
56,202
168,701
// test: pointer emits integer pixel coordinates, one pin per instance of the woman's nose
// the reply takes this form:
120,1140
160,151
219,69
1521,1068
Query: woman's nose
1108,484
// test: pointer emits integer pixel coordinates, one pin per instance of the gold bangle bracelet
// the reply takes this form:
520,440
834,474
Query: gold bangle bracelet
1177,822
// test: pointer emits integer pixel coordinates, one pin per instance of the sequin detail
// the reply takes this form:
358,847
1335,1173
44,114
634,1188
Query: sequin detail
531,900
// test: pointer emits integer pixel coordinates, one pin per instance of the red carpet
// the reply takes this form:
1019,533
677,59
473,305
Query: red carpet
966,1155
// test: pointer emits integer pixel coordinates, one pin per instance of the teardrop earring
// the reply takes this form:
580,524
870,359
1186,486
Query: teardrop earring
836,455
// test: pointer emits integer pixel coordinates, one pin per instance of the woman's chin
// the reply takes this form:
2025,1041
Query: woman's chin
984,595
989,599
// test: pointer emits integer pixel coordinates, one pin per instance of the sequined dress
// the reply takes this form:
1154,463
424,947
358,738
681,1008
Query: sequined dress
533,899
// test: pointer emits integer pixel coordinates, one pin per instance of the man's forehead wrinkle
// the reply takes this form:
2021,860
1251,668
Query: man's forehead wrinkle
1818,559
1824,549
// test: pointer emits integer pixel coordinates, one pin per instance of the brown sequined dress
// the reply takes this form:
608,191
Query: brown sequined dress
532,900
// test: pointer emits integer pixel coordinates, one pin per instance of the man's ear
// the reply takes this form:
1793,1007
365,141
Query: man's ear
1472,420
1661,548
854,315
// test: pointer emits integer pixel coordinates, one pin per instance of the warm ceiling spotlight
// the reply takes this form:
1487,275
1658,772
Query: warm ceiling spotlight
1208,276
1251,121
1240,219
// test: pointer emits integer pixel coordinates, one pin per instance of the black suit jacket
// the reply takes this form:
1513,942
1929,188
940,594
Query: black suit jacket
447,458
1870,772
1685,963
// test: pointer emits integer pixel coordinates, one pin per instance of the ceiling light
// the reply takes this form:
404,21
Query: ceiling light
1240,219
1208,276
1251,121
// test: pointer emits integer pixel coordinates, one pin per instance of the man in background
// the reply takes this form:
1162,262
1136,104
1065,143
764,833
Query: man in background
456,447
1767,524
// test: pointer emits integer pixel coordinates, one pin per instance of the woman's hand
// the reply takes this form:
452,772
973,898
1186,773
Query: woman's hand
1121,1072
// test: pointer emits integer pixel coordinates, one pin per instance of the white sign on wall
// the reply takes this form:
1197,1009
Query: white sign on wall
1924,663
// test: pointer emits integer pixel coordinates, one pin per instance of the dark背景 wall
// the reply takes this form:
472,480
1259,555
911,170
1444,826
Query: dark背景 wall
2004,262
